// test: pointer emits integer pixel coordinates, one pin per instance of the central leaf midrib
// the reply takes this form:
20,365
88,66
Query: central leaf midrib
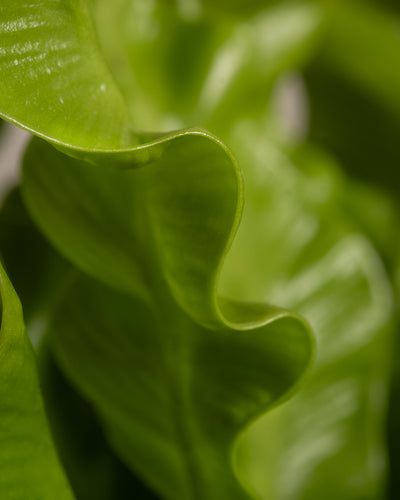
177,375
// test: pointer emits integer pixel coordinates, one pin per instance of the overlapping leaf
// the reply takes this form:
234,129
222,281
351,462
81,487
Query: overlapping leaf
28,460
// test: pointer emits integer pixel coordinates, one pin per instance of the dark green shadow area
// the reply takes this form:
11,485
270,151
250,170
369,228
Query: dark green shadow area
94,472
33,266
393,433
361,132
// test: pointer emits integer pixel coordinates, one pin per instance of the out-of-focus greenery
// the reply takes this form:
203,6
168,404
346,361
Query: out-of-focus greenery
205,245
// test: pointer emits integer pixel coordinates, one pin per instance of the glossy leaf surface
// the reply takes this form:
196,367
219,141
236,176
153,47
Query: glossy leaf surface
49,61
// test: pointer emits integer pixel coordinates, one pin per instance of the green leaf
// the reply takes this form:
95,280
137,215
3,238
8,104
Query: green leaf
50,64
175,217
206,377
111,237
28,461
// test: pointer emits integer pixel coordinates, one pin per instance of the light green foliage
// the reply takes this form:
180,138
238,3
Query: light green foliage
213,312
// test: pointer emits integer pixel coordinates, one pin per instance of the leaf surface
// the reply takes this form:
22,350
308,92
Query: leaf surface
40,276
192,389
50,63
176,367
28,460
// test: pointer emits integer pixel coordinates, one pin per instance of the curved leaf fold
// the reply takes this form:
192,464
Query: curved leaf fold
195,380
